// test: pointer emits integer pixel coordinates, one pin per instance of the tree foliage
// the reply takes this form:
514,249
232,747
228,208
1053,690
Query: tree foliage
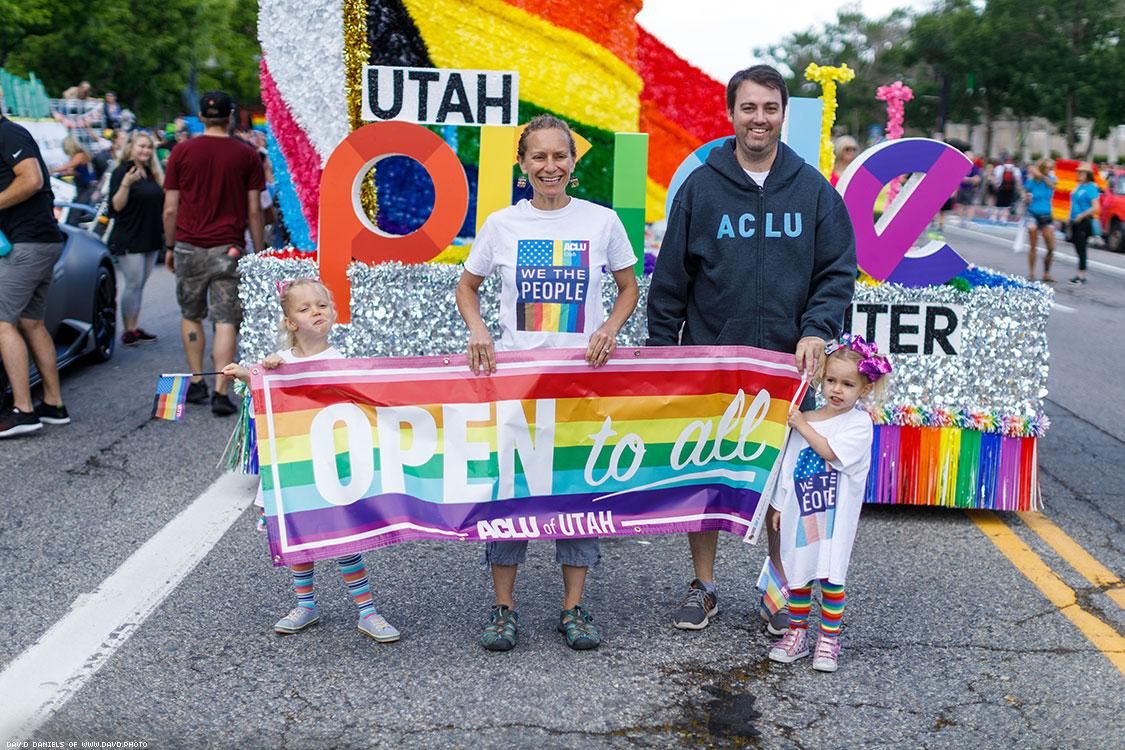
973,61
151,54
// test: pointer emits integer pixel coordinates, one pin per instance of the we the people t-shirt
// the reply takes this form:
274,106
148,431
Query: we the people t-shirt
550,264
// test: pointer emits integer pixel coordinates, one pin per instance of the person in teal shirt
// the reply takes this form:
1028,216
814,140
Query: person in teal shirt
1038,190
1083,209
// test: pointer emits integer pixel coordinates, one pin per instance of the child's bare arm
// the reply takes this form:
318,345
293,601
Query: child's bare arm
235,370
815,440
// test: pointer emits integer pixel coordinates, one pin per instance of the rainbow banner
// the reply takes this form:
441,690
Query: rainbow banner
362,453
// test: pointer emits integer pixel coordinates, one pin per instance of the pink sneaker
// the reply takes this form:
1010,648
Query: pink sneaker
827,654
790,647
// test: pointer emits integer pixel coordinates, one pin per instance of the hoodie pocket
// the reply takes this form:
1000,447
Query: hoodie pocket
779,333
736,332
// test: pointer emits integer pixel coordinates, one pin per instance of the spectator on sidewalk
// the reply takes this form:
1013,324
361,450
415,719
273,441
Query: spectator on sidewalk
1083,211
847,148
212,188
33,242
1009,185
136,206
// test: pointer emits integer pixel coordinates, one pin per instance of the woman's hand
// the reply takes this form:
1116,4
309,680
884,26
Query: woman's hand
482,353
272,362
132,176
601,346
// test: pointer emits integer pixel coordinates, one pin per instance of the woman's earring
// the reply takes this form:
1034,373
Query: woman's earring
573,182
522,181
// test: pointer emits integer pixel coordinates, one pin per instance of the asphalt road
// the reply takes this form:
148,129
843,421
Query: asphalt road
947,641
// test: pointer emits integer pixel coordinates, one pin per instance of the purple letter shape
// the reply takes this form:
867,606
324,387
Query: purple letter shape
881,247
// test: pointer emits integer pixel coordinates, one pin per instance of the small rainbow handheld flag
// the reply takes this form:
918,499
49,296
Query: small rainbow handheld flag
171,394
775,594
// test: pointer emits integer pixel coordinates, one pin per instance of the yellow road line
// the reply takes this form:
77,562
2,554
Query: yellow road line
1078,558
1105,638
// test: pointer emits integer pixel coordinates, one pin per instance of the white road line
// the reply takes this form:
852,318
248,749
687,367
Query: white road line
45,676
1063,308
1115,270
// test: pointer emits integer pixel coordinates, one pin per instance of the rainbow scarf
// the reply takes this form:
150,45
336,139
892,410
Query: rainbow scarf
357,454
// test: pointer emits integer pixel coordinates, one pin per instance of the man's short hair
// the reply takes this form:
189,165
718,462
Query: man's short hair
763,75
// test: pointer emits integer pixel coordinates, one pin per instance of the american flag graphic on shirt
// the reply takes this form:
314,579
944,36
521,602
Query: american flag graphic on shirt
552,284
815,485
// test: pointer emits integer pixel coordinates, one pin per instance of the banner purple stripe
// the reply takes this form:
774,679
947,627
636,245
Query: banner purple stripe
531,518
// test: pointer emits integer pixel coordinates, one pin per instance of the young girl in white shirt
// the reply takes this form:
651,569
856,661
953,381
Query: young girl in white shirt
307,317
820,493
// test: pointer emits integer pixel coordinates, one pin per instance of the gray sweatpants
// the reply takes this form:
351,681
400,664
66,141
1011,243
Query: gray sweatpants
135,267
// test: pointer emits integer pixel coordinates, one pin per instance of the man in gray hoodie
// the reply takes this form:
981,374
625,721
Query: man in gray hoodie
759,251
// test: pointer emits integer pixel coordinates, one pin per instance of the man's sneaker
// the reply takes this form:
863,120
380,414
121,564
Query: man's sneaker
579,628
129,338
376,626
790,647
827,654
1077,281
197,392
16,422
697,607
143,336
777,623
500,633
52,414
221,406
297,620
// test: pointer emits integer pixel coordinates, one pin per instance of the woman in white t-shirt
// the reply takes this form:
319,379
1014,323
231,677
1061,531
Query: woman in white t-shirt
549,252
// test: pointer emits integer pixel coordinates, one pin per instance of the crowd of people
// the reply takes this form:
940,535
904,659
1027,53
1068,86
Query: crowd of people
1005,192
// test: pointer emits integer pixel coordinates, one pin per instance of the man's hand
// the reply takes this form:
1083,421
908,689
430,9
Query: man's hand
170,260
809,351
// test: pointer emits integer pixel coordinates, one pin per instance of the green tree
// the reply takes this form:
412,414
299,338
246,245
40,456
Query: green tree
149,53
872,47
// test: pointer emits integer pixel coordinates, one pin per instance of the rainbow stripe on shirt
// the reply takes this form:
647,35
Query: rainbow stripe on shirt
552,284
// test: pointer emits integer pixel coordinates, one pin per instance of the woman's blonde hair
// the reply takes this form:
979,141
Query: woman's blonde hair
71,146
286,338
153,165
874,397
845,141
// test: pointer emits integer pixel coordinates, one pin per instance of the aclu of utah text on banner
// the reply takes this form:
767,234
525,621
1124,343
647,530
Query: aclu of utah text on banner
361,453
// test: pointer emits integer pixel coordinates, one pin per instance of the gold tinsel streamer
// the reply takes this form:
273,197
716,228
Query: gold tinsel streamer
828,77
356,55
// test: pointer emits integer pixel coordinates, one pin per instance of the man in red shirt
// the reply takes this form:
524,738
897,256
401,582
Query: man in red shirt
211,195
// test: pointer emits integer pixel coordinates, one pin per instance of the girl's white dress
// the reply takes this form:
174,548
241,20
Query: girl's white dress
820,500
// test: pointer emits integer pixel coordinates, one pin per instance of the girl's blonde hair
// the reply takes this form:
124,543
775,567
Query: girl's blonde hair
874,397
71,146
153,165
286,338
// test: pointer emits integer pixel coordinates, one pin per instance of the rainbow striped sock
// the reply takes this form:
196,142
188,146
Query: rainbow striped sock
303,584
354,571
800,602
831,608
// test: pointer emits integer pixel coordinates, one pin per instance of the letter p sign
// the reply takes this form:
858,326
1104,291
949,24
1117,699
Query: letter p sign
882,247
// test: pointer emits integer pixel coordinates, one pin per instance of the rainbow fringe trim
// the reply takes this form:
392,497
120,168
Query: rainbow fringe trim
949,467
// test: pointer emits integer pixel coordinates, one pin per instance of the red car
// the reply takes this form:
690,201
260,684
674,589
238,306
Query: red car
1111,209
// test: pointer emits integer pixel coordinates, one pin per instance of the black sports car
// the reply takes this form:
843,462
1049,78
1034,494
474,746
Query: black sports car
82,304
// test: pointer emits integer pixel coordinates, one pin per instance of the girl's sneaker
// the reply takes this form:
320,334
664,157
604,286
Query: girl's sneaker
827,654
790,647
297,620
376,626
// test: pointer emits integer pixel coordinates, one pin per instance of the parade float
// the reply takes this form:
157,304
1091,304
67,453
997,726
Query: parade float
392,127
